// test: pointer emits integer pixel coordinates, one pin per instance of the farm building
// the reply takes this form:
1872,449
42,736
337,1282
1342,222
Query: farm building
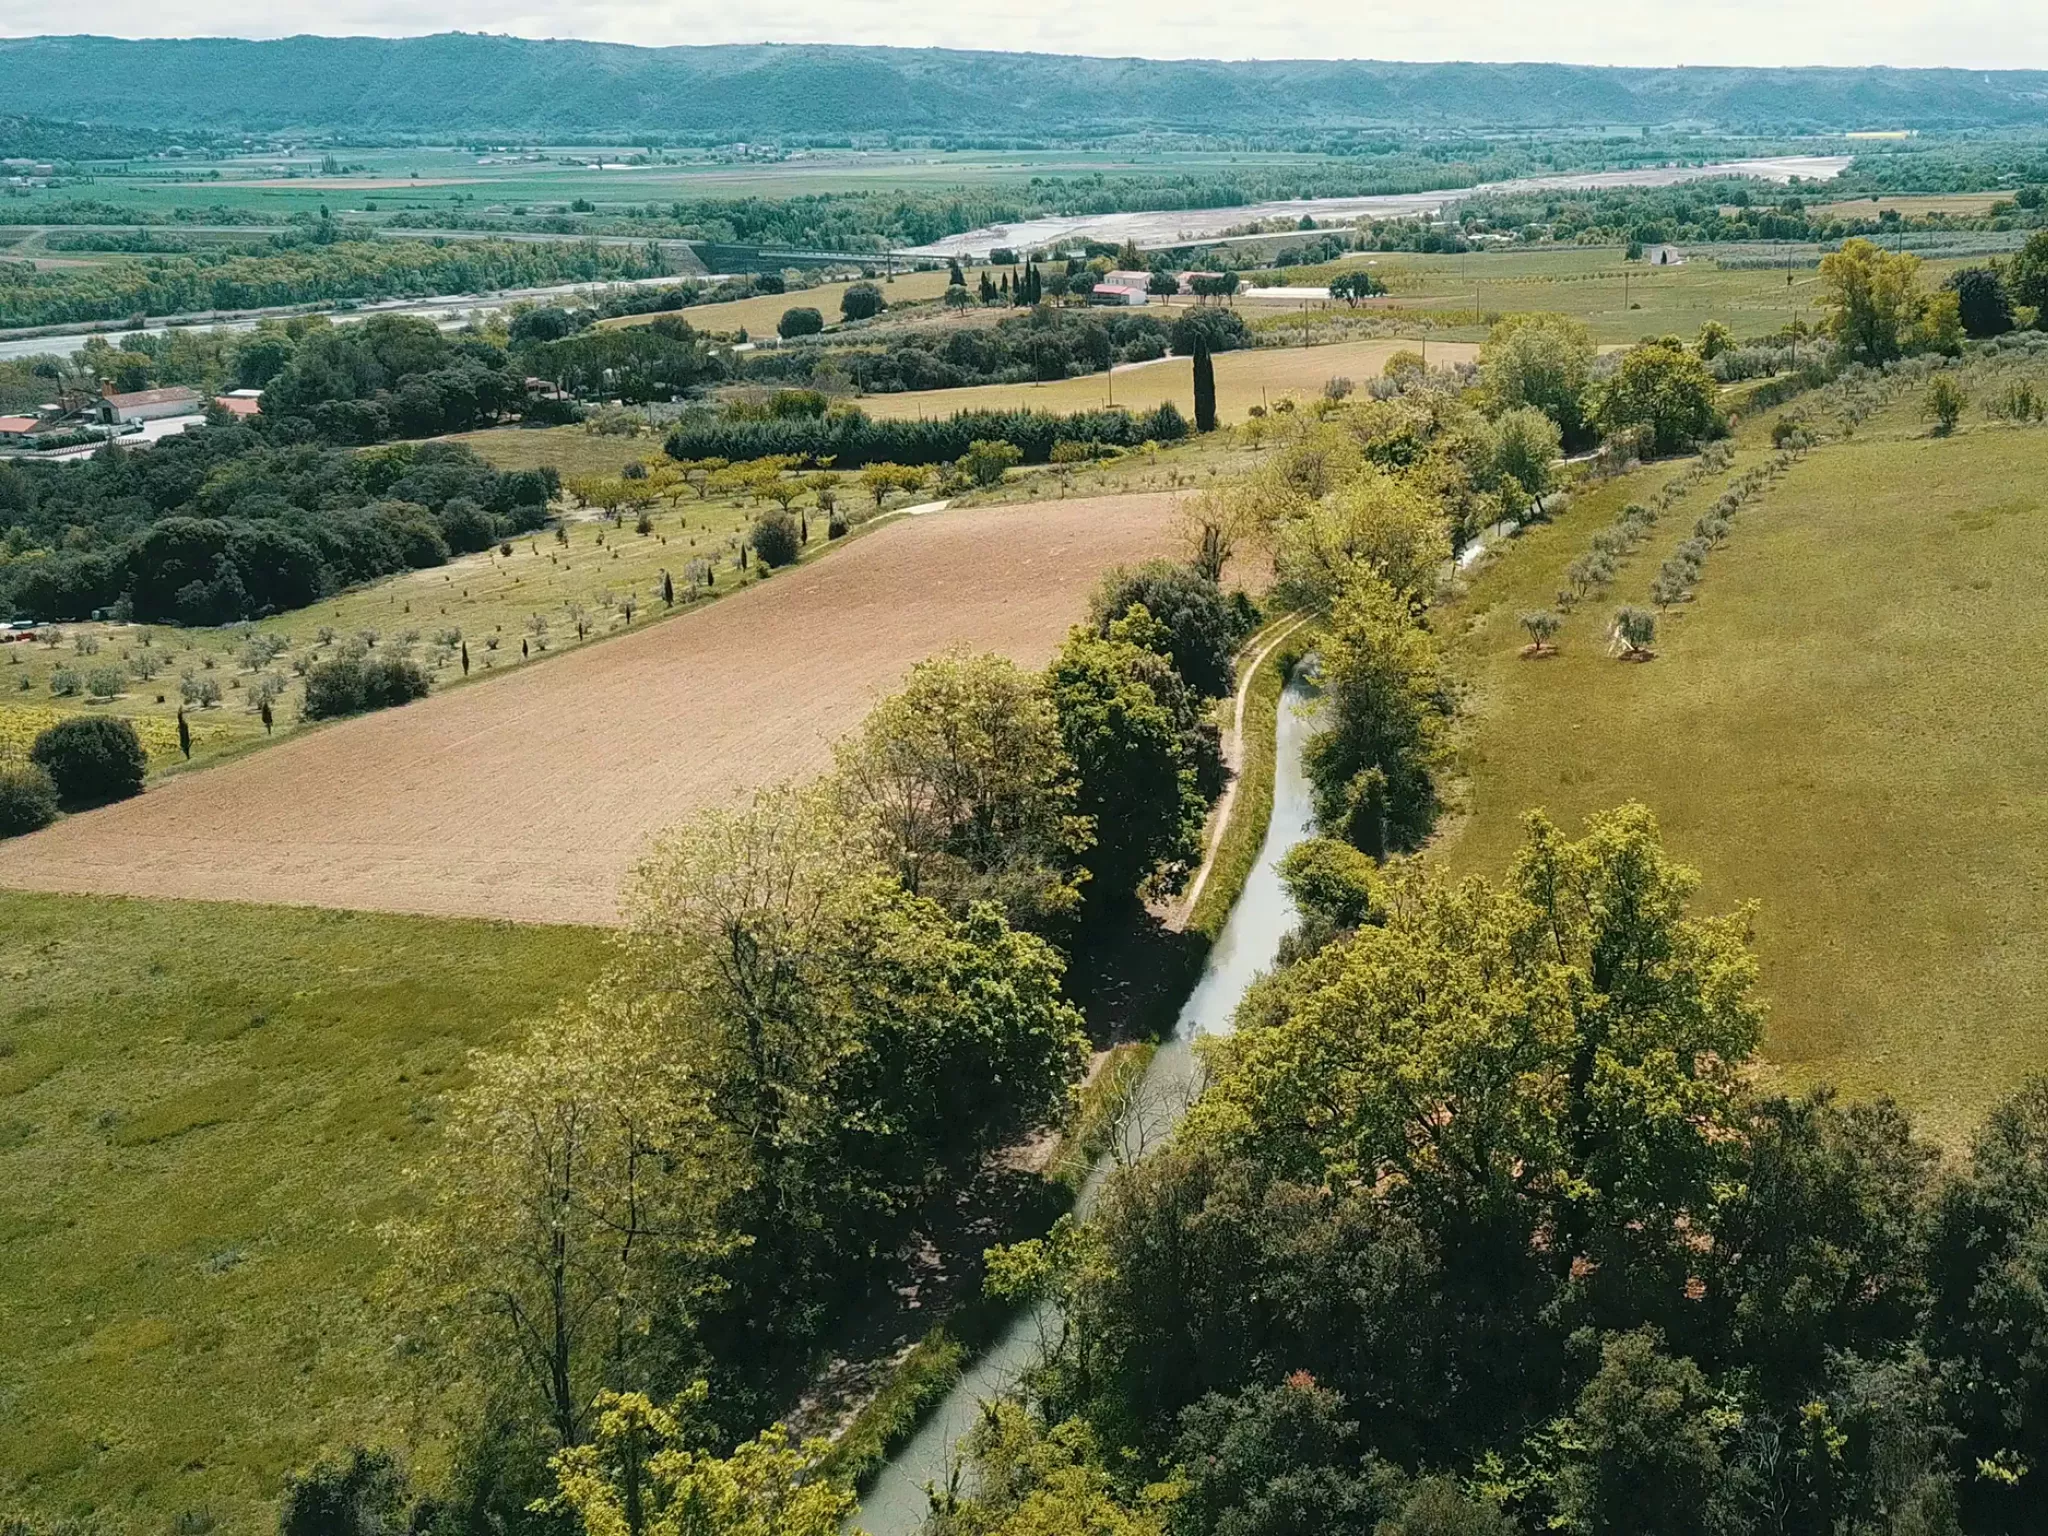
241,402
150,404
1121,288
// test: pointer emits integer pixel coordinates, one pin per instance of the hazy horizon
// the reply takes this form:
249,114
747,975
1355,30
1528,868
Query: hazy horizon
1969,34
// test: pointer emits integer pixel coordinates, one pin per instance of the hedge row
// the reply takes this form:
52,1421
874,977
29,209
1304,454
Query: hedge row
852,439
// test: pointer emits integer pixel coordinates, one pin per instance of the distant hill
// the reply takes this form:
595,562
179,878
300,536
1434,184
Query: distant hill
458,83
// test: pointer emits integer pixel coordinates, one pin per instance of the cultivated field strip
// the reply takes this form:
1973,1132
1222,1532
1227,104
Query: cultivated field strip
528,798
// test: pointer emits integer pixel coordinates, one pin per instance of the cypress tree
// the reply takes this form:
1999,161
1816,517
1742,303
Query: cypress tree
465,658
1205,388
184,736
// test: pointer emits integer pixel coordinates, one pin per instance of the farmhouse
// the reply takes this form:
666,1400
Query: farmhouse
241,402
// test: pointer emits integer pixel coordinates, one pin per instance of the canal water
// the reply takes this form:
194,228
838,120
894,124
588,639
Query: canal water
897,1502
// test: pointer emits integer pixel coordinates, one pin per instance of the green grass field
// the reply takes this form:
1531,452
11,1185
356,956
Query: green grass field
1621,301
204,1111
1845,724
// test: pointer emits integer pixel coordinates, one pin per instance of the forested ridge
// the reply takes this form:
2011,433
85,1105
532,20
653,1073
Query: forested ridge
458,83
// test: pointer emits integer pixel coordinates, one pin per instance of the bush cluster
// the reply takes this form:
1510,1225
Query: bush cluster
852,439
90,760
231,523
347,685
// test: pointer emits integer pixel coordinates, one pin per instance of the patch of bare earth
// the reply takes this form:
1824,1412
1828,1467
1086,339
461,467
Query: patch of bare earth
529,797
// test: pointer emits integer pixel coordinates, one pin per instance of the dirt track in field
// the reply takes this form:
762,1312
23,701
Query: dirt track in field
529,797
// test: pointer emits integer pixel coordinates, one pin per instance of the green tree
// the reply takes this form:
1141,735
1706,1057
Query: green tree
1874,299
638,1476
1983,306
861,301
1203,629
577,1192
91,759
1526,444
1648,1435
1354,285
1944,403
1374,526
1543,361
775,536
986,459
1385,713
1205,388
1664,388
1124,722
861,1045
2026,276
965,782
799,321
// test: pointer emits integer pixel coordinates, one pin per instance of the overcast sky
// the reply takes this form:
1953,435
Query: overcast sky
1971,34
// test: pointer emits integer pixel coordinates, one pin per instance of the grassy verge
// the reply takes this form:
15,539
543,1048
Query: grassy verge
205,1111
1252,806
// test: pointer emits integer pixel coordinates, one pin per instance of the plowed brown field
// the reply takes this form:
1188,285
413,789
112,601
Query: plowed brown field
529,797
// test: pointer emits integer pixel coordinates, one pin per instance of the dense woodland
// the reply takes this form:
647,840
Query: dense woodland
232,523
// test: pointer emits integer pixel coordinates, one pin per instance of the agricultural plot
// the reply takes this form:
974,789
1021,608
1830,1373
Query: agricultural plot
1844,722
529,799
1254,376
544,596
1621,301
758,316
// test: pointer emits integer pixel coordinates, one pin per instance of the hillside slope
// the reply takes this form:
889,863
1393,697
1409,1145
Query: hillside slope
462,83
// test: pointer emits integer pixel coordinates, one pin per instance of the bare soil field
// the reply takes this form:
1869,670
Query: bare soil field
528,798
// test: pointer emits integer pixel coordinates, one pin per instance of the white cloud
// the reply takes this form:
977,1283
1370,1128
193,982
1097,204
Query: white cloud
1974,34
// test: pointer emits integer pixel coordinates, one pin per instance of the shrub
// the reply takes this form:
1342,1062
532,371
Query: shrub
801,321
863,301
348,685
1945,401
91,759
776,538
28,799
985,461
853,440
365,1492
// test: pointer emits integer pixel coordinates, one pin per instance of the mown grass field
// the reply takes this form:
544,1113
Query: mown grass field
1846,724
1621,301
204,1112
1252,376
